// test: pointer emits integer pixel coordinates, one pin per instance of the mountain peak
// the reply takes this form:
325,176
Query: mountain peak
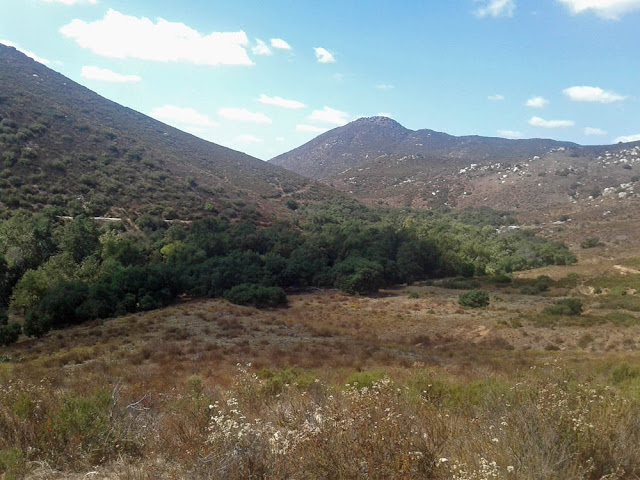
377,120
371,137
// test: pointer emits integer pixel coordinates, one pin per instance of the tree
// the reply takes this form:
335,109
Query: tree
358,275
25,243
79,238
9,331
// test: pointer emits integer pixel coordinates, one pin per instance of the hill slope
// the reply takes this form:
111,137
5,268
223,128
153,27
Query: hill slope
367,138
379,161
63,145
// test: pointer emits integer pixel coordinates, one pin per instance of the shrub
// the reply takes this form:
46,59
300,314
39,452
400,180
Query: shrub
565,306
591,242
257,295
291,204
12,463
466,270
542,284
9,333
59,307
474,299
460,283
501,279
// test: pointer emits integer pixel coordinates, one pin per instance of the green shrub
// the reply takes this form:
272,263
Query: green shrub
9,333
12,463
541,285
467,270
624,373
257,295
501,279
565,306
591,242
474,299
460,283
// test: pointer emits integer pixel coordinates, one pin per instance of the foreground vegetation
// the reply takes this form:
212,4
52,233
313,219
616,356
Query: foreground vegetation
332,387
61,272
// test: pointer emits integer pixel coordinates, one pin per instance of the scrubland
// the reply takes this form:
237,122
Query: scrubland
404,384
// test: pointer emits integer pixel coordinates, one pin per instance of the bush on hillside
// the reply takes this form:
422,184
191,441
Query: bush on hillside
565,306
474,299
9,332
460,283
591,242
257,295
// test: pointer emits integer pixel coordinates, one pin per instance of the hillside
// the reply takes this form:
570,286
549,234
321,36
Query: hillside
379,161
64,146
365,139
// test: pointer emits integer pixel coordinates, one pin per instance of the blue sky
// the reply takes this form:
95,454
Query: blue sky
264,77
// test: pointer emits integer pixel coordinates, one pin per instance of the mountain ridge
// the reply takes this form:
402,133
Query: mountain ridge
379,161
344,147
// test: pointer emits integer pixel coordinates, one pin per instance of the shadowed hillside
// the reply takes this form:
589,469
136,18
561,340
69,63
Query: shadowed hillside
64,146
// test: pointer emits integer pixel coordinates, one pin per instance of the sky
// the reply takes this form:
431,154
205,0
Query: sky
264,77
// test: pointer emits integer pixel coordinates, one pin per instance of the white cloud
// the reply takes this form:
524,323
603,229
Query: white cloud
243,115
591,131
280,102
182,116
496,8
537,102
105,75
329,115
495,98
248,138
310,128
338,77
384,114
385,86
609,9
72,2
123,36
280,43
279,139
628,138
592,94
261,48
29,54
323,55
509,134
541,122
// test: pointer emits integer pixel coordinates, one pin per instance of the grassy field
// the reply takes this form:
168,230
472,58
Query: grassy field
405,384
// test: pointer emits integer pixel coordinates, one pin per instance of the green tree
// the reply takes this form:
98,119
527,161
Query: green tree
79,238
358,275
9,331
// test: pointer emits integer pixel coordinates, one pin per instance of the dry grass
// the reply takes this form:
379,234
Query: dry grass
338,387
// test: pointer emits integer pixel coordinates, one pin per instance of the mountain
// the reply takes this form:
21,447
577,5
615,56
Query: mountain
66,147
367,138
379,161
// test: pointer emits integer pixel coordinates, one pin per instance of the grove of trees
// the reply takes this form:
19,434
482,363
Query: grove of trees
56,272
